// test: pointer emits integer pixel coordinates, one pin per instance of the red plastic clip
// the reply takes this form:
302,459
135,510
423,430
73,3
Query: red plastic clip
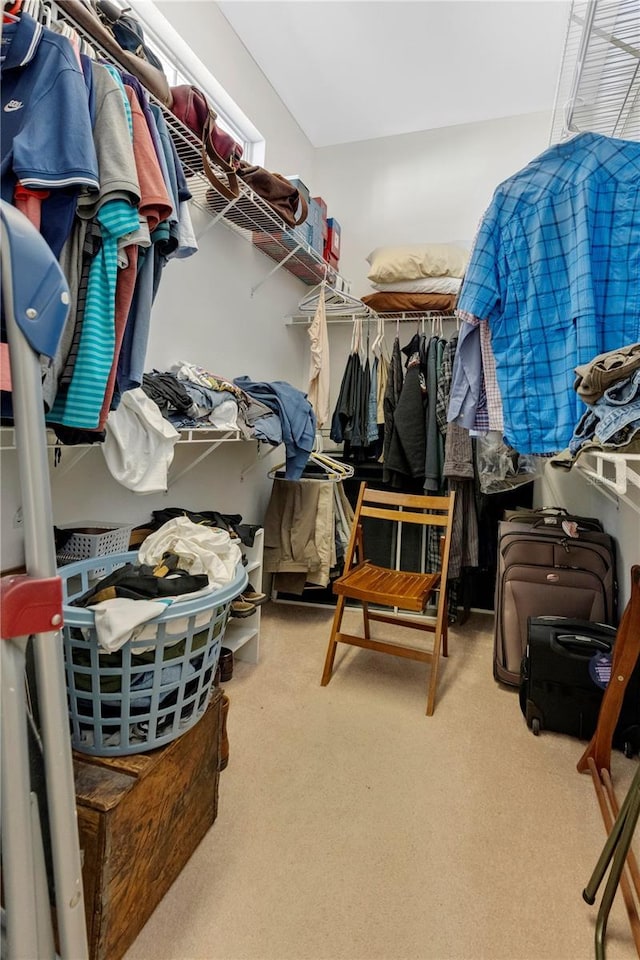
11,11
30,605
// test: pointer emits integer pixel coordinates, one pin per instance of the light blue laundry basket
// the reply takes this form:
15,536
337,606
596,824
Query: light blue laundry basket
155,687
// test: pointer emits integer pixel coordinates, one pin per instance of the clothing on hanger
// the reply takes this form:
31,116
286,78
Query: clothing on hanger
99,173
545,321
319,369
299,531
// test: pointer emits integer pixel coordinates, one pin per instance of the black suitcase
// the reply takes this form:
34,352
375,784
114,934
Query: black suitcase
565,671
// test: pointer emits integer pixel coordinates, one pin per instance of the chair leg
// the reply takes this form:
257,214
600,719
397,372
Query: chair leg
445,627
433,679
439,640
365,617
622,845
331,649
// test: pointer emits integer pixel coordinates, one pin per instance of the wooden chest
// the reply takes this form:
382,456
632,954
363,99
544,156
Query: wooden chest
140,818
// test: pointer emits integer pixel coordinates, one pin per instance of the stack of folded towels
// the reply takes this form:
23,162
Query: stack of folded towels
425,276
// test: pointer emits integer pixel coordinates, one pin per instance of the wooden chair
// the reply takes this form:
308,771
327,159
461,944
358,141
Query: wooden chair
402,590
620,820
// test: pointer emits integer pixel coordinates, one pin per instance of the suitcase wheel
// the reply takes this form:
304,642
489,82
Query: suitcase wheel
535,727
631,742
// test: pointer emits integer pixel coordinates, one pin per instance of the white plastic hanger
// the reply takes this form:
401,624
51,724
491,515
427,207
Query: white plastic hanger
357,341
311,299
38,10
335,470
377,347
335,301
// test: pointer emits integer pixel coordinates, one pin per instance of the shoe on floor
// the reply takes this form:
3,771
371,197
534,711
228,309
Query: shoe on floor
225,664
254,596
242,608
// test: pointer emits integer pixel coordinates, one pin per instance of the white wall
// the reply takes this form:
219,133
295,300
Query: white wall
212,39
431,186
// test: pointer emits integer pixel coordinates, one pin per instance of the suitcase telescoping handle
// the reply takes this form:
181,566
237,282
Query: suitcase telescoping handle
571,639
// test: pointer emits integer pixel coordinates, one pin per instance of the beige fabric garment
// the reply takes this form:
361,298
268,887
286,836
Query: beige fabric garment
299,529
319,375
201,549
383,375
603,371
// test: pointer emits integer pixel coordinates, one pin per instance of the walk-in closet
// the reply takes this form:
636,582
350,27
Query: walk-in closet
320,499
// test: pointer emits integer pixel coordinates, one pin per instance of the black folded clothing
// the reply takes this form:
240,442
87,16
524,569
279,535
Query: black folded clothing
167,392
138,582
207,518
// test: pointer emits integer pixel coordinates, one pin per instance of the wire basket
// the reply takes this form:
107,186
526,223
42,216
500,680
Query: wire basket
95,540
158,685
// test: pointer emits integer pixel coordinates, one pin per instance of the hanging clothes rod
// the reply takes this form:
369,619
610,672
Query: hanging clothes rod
415,316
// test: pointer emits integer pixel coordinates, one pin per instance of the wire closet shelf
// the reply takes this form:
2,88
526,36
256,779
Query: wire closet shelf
599,83
419,317
248,215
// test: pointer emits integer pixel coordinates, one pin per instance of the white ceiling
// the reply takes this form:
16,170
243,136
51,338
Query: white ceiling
358,70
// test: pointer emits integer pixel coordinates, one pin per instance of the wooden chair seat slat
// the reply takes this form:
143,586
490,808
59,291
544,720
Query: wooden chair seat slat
392,588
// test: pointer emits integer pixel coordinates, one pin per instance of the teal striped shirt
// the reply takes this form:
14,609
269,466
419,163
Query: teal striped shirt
86,392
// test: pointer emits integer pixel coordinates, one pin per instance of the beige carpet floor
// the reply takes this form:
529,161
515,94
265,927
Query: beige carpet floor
352,827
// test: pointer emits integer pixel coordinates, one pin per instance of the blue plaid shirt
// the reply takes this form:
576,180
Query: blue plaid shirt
555,271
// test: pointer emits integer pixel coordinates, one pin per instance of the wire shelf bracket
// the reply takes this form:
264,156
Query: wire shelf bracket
616,474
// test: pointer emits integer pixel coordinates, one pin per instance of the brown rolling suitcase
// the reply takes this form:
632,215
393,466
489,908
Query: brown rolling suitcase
544,571
552,517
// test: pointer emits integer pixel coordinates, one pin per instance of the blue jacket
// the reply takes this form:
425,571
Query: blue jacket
296,416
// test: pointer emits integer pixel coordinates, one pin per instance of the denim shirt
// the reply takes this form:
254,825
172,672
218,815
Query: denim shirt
614,419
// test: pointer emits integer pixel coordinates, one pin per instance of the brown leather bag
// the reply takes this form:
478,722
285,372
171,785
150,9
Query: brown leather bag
283,198
190,105
136,63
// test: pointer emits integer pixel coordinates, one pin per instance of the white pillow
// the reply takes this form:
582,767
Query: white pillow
423,285
417,260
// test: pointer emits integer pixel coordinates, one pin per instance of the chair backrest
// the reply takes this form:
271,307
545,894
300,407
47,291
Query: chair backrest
400,508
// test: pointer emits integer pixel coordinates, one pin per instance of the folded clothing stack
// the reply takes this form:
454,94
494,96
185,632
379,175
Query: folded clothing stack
425,276
610,386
